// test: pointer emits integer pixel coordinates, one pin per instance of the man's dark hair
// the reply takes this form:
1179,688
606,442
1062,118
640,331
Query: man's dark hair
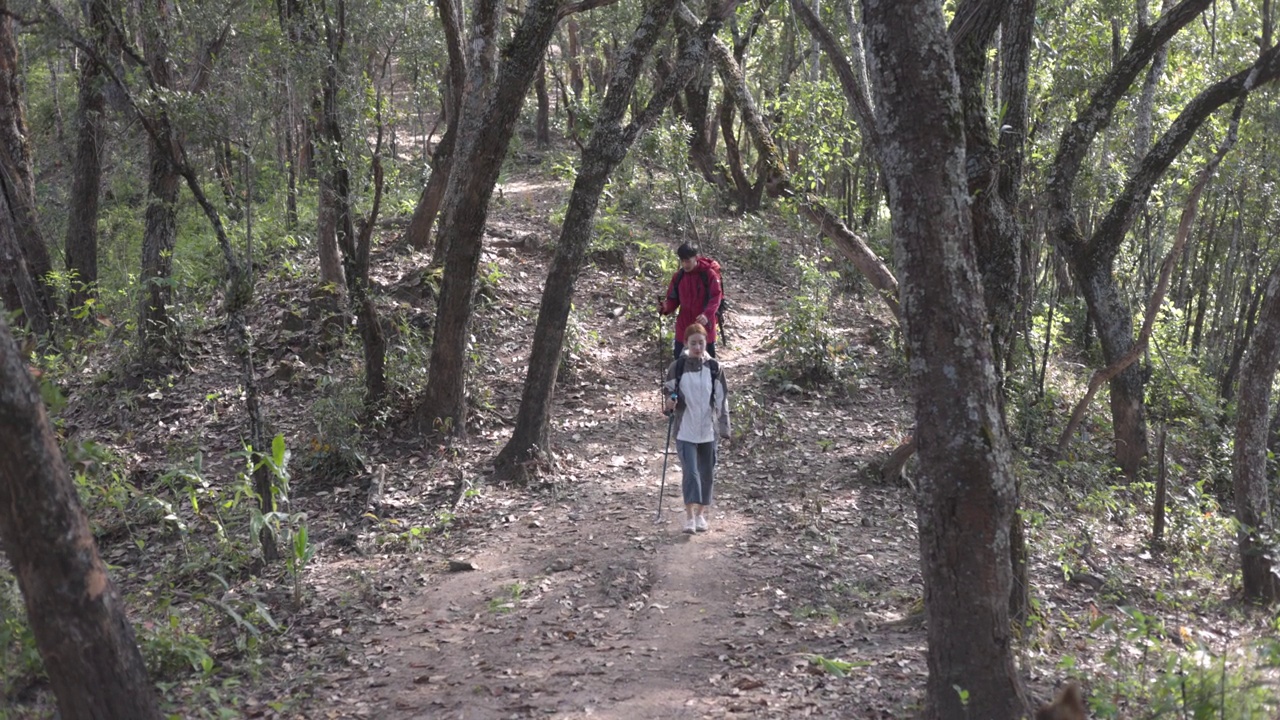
686,251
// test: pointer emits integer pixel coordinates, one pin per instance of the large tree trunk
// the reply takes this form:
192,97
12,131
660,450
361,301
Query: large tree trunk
608,145
76,613
487,123
418,233
81,251
967,493
15,166
1249,462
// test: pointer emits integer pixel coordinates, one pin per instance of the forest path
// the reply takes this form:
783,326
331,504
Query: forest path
599,612
579,604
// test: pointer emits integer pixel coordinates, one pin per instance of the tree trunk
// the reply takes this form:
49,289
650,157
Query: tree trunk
154,324
15,165
967,493
82,203
1091,260
418,233
490,111
20,287
76,613
1249,461
543,123
609,143
847,242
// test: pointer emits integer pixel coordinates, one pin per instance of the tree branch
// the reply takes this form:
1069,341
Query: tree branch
1189,210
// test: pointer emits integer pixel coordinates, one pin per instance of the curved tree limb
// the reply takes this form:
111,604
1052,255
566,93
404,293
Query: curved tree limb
1189,210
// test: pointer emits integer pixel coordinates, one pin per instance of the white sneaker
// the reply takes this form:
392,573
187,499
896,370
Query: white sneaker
689,526
700,523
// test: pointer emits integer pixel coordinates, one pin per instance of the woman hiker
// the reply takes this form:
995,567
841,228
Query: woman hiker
697,394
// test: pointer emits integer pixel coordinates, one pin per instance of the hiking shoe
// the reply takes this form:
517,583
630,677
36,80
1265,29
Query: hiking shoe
689,526
700,523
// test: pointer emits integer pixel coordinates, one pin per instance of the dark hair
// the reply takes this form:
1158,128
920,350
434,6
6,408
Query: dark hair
686,251
694,329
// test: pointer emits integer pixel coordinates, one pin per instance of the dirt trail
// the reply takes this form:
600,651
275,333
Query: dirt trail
600,613
581,606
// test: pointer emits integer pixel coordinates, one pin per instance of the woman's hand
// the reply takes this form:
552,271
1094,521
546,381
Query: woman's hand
668,407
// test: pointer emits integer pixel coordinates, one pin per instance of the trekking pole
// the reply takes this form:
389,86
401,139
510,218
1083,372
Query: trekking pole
666,453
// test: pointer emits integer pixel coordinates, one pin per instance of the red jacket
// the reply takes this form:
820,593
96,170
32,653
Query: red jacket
698,293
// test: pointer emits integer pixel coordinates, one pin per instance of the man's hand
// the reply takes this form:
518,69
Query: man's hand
702,320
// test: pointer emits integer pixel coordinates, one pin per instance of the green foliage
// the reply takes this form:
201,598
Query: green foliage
1159,671
805,349
579,340
658,182
814,117
333,452
756,419
20,663
169,649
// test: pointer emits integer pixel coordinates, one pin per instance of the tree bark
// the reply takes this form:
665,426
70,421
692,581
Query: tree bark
15,276
609,143
75,610
542,126
154,324
490,110
81,251
1249,462
15,167
418,233
967,493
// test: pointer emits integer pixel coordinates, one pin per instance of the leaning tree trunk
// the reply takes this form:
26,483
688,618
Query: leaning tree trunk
418,233
16,277
609,143
15,164
1249,462
488,121
967,492
82,203
76,613
853,247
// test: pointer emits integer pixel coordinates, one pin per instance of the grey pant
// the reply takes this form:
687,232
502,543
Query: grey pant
698,462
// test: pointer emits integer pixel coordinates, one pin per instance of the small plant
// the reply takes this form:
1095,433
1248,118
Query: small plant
836,667
805,349
300,556
20,662
505,604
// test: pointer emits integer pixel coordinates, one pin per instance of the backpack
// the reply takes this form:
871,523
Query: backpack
722,335
712,363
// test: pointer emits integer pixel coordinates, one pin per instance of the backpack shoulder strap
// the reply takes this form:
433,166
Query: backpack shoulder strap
674,292
714,366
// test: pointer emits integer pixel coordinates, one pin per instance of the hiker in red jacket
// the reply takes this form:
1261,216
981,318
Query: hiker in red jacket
695,290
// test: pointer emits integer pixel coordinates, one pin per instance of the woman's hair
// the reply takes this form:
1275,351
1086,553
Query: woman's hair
694,329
